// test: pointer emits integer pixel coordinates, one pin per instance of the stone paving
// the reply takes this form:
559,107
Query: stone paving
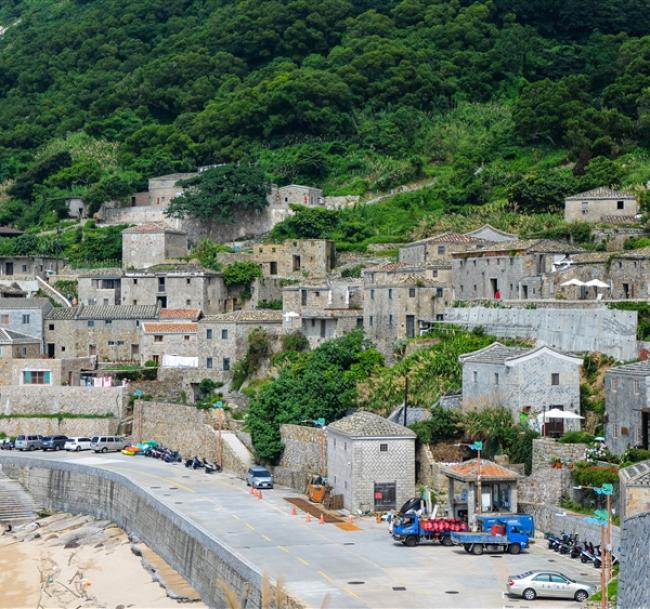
355,569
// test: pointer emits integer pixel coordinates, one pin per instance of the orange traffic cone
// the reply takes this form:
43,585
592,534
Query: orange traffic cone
321,520
251,491
350,518
259,494
308,518
294,511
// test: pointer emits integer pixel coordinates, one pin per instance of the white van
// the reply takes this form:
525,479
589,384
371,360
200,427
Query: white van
103,444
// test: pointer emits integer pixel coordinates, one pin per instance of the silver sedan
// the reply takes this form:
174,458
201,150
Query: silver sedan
553,584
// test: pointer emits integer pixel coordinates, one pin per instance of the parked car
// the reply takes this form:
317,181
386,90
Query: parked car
28,442
259,477
103,444
7,444
531,584
77,444
53,442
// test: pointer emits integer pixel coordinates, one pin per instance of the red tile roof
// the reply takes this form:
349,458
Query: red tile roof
190,314
468,471
156,327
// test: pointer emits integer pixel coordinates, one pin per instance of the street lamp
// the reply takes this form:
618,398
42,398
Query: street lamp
603,518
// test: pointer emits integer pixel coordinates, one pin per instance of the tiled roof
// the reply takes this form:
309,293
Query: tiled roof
191,314
602,192
386,268
105,312
16,338
496,353
643,252
541,246
171,267
467,471
590,257
154,327
450,237
637,369
363,424
110,273
25,303
636,475
153,228
489,227
244,316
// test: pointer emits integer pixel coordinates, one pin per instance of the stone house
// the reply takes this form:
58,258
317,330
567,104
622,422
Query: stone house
76,207
223,339
438,248
166,342
147,245
510,270
601,205
322,309
42,371
526,381
627,406
295,194
112,333
100,287
24,315
176,286
489,233
15,345
371,462
39,266
162,189
296,258
635,489
401,301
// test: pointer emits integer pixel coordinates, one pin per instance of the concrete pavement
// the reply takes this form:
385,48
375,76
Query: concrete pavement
355,569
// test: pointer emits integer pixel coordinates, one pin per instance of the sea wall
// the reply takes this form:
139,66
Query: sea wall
80,489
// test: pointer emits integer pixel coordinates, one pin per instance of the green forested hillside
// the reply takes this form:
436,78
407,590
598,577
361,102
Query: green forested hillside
499,100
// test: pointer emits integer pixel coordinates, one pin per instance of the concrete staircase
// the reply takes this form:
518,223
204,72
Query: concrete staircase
53,292
16,505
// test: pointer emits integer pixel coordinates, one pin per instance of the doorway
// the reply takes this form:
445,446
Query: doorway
385,496
645,429
50,350
494,284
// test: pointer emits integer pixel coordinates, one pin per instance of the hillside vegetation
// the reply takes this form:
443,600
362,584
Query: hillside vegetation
515,101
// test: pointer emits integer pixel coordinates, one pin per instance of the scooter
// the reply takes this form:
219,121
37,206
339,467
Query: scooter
551,539
589,553
577,549
566,546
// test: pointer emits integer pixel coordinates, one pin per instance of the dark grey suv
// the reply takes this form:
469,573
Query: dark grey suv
54,442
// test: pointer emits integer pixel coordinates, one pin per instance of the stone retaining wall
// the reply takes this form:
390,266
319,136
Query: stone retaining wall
65,427
545,449
633,589
302,456
203,560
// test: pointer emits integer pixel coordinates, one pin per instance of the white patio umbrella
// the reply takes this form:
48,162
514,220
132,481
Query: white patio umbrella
596,283
556,413
572,282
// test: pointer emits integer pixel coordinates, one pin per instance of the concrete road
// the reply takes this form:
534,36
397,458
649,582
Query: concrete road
354,569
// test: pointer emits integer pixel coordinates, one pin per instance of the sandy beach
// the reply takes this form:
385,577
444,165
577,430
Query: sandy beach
74,562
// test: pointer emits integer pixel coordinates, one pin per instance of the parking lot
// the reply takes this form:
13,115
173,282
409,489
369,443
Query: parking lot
356,568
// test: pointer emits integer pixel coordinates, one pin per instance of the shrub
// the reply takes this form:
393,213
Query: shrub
634,455
585,474
577,437
353,271
274,304
295,341
241,274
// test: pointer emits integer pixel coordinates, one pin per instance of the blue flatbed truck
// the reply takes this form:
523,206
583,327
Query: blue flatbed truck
507,534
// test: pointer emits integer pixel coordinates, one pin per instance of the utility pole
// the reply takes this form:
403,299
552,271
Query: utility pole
479,507
406,395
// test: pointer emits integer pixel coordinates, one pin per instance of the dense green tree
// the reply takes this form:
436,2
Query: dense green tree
306,223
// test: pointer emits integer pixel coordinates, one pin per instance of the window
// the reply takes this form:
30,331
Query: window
161,284
475,376
390,293
383,448
135,282
50,327
135,302
441,250
461,288
188,281
274,268
111,343
37,377
208,333
555,378
411,292
371,319
637,387
157,338
542,577
186,338
91,323
224,334
438,292
226,363
390,320
620,204
208,362
25,266
188,302
4,319
496,378
25,318
372,294
359,322
108,322
614,385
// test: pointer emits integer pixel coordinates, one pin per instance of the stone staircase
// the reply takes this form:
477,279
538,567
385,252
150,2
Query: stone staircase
16,505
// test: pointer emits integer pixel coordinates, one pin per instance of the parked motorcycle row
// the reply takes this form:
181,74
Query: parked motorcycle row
586,551
154,450
204,464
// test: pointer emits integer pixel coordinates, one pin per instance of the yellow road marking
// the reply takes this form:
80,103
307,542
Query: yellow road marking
326,576
284,549
236,517
352,593
266,537
250,526
302,560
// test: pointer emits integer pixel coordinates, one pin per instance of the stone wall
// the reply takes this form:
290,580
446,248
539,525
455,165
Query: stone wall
600,329
65,427
303,456
633,589
545,449
45,399
202,559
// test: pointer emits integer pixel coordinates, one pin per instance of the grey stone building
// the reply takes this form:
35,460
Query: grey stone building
371,462
162,189
296,258
601,205
438,248
489,233
53,372
296,194
627,406
223,339
15,345
112,333
151,244
526,381
400,301
40,266
174,339
100,287
511,270
322,309
24,315
176,286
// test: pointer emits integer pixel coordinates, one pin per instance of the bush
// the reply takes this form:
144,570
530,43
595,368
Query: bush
241,273
353,271
585,474
634,455
274,305
577,437
295,341
444,425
